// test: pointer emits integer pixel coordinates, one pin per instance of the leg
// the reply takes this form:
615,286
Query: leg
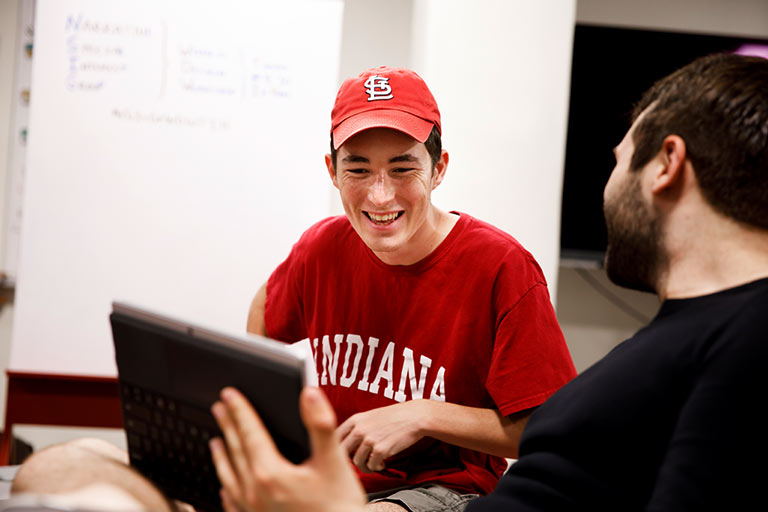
431,498
385,506
69,467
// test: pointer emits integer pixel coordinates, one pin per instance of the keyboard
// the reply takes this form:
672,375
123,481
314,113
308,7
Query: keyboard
168,443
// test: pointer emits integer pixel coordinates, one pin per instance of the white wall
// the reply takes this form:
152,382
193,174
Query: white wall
366,44
8,35
500,73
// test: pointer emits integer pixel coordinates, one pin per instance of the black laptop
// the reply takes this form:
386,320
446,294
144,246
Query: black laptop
170,373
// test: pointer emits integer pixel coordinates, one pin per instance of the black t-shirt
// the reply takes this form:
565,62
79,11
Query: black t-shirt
672,419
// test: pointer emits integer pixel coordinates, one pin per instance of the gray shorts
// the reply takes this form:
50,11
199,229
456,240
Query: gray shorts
430,498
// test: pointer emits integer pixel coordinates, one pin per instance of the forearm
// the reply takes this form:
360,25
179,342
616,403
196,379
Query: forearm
484,430
256,323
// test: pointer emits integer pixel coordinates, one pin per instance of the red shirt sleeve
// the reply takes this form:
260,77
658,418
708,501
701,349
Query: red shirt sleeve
529,350
283,310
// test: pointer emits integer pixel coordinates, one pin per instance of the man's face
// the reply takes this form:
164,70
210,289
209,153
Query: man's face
385,179
634,255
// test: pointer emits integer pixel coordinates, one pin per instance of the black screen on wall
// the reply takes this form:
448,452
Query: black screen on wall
611,68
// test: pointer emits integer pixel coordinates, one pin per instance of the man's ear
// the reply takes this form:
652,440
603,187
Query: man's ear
672,159
331,170
438,173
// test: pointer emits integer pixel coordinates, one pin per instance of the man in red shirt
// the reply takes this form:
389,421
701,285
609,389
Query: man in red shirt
432,332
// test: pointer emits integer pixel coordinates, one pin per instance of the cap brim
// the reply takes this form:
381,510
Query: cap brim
398,120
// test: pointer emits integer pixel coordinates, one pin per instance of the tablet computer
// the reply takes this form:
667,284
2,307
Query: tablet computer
171,371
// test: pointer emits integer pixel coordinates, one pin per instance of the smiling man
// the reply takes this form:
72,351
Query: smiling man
432,332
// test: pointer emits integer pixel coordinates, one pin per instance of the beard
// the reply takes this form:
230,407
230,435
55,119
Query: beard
634,256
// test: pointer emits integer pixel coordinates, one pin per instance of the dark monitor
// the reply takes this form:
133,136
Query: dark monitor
611,69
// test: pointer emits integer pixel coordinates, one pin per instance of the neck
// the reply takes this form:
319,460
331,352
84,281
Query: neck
717,254
437,226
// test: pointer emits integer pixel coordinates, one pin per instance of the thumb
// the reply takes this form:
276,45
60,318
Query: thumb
320,420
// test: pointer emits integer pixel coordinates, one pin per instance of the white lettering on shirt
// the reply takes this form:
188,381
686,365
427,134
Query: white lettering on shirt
372,344
348,378
411,377
330,361
314,350
438,389
385,371
409,373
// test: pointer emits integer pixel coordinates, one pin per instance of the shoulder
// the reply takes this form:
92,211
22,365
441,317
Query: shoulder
481,239
326,232
721,334
749,325
319,244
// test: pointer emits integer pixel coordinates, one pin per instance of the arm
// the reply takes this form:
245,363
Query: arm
256,312
371,437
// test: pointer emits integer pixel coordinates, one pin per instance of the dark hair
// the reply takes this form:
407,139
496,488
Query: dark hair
433,143
719,106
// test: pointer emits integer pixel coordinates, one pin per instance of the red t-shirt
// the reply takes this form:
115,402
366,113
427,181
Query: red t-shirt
470,324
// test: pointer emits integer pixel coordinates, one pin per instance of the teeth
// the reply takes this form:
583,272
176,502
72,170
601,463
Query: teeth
383,218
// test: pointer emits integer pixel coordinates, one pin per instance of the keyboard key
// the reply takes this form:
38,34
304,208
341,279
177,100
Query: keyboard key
137,426
134,440
136,455
140,411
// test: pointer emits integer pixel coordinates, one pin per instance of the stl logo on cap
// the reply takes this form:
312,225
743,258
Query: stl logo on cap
412,110
378,88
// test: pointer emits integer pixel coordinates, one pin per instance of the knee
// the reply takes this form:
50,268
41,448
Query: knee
65,464
71,466
99,447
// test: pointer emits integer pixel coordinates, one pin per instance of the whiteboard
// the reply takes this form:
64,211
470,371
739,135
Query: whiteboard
175,153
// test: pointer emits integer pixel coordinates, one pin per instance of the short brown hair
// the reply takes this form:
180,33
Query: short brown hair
719,106
433,143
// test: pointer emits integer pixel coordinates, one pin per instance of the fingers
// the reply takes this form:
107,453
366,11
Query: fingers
360,457
255,439
358,446
376,461
349,439
345,428
228,503
235,472
248,447
320,420
225,472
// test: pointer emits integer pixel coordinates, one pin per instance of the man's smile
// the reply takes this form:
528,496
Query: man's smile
383,219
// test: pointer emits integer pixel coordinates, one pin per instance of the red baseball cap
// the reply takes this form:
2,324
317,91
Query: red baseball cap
384,97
